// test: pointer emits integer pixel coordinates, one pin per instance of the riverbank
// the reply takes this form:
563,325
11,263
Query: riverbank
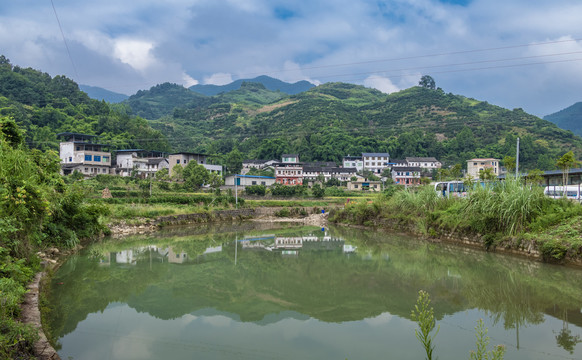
512,219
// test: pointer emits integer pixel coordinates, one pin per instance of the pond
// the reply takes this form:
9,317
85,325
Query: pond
251,291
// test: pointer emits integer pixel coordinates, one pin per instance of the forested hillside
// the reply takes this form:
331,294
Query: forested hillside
44,106
337,119
267,81
569,118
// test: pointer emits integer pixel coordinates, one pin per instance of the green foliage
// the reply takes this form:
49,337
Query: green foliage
259,190
427,81
317,191
287,190
195,175
423,314
482,342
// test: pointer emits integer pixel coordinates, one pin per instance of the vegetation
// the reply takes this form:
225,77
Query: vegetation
37,210
43,107
500,213
568,118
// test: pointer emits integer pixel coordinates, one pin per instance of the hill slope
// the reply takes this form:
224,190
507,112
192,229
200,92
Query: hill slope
44,106
269,83
98,93
569,118
337,119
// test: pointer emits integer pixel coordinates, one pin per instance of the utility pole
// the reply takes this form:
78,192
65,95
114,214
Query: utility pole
517,160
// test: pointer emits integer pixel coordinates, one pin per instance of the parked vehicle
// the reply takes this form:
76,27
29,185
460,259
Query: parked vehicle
557,192
451,188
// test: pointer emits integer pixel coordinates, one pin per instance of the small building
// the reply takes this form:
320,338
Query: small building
80,152
363,184
427,163
475,166
247,165
406,175
289,171
248,180
183,158
375,162
143,162
353,162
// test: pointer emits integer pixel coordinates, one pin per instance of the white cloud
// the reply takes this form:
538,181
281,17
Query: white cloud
136,53
218,79
381,83
188,80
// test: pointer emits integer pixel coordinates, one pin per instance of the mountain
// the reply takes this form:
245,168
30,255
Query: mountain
332,120
98,93
569,118
44,106
269,83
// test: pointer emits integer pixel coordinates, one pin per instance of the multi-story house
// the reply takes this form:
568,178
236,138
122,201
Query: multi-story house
427,163
475,166
183,158
257,164
144,163
289,171
406,175
80,152
375,162
353,162
311,173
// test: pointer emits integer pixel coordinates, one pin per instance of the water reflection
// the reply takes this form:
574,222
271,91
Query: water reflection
338,276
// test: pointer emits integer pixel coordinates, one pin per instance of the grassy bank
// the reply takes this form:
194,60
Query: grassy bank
501,214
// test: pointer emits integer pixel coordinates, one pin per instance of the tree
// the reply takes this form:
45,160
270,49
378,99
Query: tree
234,161
487,174
195,175
317,191
509,162
178,172
535,176
427,81
565,163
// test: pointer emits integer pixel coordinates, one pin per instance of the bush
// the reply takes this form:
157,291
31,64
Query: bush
259,190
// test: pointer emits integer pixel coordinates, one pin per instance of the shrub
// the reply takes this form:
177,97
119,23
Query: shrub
259,190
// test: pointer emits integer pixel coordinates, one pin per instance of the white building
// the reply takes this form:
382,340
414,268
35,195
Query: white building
183,158
144,163
353,162
375,162
80,152
475,166
248,180
428,163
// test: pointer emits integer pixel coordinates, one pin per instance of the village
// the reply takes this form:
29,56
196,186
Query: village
364,172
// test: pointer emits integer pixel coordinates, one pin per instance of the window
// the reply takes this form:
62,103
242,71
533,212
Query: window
355,186
105,159
70,159
78,148
86,170
263,183
87,157
254,183
104,171
177,161
97,158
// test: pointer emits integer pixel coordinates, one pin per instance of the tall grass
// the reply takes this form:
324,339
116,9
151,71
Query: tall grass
507,207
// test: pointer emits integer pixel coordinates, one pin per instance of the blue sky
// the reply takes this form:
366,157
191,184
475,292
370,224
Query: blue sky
511,53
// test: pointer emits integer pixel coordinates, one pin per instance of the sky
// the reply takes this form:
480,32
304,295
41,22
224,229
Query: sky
511,53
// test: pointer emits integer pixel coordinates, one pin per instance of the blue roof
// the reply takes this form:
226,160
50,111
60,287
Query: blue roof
254,176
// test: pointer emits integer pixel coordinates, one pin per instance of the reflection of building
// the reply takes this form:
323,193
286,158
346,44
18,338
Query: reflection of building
175,257
126,257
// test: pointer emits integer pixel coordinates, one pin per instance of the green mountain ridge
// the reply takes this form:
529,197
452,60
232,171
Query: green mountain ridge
569,118
332,120
44,106
267,81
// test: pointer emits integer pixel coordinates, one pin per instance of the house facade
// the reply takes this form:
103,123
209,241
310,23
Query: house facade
141,162
475,166
375,162
363,184
406,175
80,152
355,162
248,180
289,171
184,158
427,163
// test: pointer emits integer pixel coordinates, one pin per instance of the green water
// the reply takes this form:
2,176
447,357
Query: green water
248,292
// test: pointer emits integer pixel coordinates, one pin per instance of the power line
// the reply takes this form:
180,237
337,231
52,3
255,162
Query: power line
65,40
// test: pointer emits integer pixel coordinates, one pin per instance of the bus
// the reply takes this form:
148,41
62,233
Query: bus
557,192
450,189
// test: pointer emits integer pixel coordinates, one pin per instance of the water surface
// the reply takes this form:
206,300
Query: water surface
253,292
